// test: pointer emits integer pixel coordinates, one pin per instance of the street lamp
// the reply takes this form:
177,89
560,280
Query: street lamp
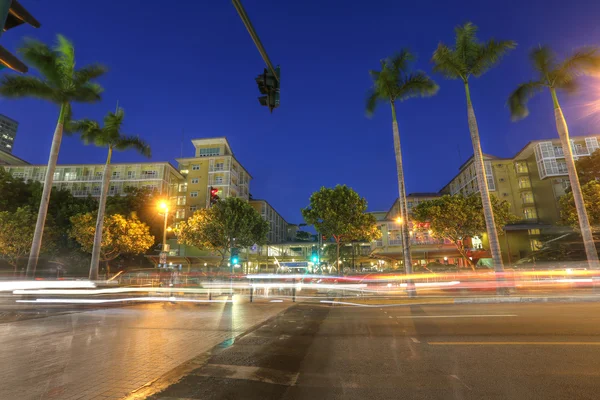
399,220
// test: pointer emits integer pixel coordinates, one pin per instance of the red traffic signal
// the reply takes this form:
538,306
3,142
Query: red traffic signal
214,195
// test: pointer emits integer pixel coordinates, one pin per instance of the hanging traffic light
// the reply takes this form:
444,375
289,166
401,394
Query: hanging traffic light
235,258
13,14
269,86
314,257
214,195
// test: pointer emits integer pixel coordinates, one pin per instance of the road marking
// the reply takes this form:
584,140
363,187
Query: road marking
458,316
415,340
267,375
514,343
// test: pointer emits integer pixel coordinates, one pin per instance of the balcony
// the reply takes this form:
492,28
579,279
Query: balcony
378,243
395,242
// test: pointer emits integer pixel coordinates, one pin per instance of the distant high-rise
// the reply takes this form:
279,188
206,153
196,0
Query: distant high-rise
8,131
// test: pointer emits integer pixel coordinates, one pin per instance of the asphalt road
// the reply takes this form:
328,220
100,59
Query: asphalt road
521,351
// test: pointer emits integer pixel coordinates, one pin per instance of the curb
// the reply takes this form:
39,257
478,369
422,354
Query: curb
492,300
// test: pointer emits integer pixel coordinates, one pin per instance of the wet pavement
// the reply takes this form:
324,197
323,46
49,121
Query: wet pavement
108,353
499,351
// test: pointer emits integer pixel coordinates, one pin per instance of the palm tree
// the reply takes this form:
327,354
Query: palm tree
60,83
563,75
469,57
109,136
394,82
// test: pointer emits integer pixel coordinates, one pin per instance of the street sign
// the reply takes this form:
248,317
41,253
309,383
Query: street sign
301,264
162,259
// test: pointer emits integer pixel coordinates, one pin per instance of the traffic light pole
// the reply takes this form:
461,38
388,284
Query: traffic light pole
242,13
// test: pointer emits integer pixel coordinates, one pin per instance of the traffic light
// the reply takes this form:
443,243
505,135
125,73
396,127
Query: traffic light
269,86
13,14
314,258
214,195
235,258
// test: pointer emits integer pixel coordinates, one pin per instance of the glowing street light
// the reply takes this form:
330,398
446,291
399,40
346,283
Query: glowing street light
399,220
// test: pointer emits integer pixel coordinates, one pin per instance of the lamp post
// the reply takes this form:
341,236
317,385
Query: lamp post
165,209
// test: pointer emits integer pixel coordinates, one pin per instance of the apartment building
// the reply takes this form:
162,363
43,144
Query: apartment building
213,166
10,159
278,226
84,180
8,132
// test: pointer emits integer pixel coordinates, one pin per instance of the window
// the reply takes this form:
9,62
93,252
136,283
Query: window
592,144
195,167
195,180
149,174
489,176
524,182
522,167
57,176
18,175
116,175
98,175
527,198
183,187
130,174
218,180
529,213
70,176
213,151
193,208
533,232
181,201
219,166
180,213
193,194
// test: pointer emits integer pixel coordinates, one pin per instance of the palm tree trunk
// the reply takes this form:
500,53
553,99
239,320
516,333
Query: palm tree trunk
45,200
584,222
488,212
402,203
100,220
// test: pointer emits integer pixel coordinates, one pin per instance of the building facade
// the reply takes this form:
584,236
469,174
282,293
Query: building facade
8,132
213,166
84,180
278,226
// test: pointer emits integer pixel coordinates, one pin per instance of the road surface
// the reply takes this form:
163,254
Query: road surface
498,351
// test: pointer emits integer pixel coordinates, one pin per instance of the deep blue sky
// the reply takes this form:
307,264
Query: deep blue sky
193,67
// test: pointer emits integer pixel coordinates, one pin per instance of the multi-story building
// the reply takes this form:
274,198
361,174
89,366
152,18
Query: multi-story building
10,159
84,180
278,225
214,166
8,132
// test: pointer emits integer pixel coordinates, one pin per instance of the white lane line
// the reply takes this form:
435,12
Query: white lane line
458,316
267,375
415,340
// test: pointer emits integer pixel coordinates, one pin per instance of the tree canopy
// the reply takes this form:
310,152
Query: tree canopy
121,235
588,168
469,56
340,213
230,222
457,217
16,234
591,198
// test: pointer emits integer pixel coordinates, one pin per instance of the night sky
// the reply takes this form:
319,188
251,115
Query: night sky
192,69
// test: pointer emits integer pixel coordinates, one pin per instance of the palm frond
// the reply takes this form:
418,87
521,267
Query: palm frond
66,57
14,86
88,73
544,60
490,54
584,61
133,142
417,84
372,100
447,63
517,101
400,62
41,57
87,93
81,125
467,45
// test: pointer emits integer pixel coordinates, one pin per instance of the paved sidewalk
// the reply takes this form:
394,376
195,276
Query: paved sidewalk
106,354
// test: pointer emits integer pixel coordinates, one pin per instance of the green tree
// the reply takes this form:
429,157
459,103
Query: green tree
61,84
396,82
561,75
457,217
120,235
303,236
591,198
111,137
231,222
588,168
14,192
340,213
16,233
469,57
